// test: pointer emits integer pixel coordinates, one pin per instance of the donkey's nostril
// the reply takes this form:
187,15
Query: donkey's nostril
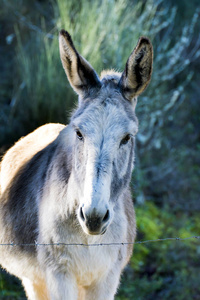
93,221
81,214
106,217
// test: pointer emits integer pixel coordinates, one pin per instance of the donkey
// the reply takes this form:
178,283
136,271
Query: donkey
63,186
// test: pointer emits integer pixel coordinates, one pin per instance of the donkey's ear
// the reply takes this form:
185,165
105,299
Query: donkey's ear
80,73
137,73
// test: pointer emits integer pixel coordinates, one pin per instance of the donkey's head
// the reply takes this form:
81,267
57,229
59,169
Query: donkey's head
104,127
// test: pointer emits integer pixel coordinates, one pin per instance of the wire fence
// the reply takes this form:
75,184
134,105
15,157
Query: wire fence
36,244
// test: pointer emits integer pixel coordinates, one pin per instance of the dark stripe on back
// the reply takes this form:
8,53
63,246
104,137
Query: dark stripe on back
21,207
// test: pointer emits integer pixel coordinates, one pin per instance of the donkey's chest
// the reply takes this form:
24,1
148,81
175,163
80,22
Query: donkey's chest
88,263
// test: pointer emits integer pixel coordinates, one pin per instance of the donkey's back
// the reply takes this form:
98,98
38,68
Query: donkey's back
24,150
65,186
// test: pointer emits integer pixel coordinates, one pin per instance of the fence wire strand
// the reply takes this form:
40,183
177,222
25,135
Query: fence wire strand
36,244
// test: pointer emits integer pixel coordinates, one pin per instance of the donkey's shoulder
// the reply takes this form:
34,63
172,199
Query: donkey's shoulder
23,173
25,149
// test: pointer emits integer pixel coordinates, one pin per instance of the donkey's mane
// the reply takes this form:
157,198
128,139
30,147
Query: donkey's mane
110,75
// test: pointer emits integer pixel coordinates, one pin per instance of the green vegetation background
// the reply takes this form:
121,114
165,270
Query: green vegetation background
166,188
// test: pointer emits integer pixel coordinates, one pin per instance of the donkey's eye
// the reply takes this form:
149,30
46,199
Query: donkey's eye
125,140
79,135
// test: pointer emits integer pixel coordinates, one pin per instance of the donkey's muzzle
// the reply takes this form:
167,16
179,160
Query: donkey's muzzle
94,222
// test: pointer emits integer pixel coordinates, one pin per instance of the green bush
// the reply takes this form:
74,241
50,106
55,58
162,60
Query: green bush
165,269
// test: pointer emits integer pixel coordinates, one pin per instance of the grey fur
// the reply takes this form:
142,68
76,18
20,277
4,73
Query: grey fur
70,184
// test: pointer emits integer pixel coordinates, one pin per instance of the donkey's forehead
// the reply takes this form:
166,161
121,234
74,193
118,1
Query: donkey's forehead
109,110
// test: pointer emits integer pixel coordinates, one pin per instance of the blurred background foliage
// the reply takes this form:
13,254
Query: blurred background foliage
166,189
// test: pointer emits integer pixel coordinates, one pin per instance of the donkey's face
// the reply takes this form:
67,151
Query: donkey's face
103,156
104,127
